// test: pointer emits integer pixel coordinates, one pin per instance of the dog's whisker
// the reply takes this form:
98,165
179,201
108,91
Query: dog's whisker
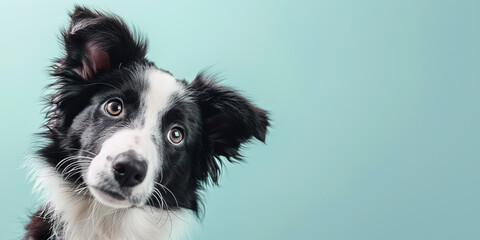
61,162
73,158
72,168
166,207
167,189
81,150
160,201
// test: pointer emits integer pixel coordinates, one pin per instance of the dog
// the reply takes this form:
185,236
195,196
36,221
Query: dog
128,148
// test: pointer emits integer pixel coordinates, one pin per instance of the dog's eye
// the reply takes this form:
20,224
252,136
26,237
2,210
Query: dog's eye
114,107
175,135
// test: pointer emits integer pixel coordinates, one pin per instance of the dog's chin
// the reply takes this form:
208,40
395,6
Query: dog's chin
110,198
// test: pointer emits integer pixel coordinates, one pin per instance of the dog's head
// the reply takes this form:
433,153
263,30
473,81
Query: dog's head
131,134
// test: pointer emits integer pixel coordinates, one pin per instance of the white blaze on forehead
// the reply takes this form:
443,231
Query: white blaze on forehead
161,86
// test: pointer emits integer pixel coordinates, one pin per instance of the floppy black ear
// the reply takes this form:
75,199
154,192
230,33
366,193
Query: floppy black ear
229,120
96,42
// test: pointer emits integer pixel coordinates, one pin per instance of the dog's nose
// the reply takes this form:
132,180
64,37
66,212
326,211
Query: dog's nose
129,169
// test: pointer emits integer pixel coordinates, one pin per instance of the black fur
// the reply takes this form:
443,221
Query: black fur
103,60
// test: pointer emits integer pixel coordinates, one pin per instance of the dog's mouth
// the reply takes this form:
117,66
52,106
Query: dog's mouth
110,197
116,198
111,194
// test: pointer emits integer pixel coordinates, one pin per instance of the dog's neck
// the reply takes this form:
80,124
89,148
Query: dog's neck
75,216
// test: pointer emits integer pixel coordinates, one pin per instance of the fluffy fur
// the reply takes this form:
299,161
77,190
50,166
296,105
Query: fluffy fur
135,173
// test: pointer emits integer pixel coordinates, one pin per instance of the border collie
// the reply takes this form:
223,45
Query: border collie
129,148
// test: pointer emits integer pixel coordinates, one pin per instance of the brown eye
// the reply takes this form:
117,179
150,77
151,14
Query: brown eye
175,135
114,107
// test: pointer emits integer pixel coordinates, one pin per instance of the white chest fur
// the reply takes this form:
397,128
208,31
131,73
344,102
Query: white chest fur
79,218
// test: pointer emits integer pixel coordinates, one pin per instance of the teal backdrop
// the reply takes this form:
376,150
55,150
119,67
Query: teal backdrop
375,110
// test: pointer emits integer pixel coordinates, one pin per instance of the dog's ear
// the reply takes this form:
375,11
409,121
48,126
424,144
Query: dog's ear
228,121
96,42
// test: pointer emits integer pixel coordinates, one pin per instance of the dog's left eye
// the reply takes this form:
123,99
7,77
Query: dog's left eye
175,135
114,107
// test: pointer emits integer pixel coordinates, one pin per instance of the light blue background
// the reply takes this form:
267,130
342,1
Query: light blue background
375,108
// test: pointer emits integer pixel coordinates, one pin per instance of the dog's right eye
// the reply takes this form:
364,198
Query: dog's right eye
114,107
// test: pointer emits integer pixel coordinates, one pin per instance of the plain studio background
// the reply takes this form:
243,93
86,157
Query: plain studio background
375,109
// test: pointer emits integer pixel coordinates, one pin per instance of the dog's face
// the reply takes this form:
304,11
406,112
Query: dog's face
135,130
131,134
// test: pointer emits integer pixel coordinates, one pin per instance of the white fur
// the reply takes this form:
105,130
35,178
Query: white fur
78,217
84,23
161,87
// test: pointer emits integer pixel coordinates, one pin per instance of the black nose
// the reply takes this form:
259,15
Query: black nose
129,169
